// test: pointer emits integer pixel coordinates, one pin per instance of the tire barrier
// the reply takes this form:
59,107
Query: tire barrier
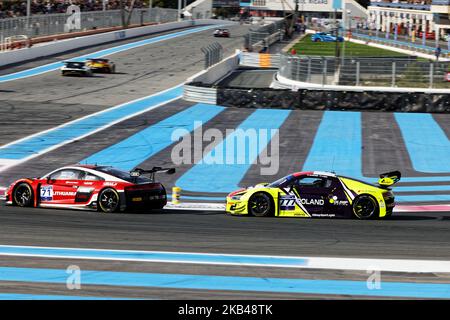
334,100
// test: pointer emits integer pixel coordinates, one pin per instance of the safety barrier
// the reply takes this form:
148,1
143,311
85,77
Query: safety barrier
419,47
200,87
262,37
213,54
52,24
337,99
56,47
196,93
369,72
259,60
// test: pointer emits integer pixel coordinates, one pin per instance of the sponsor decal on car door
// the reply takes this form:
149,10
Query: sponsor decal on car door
60,188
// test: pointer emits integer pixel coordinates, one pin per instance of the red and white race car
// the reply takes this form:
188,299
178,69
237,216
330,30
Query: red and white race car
90,187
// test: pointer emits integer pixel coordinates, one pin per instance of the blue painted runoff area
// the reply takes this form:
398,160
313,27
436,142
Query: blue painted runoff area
99,54
26,296
224,166
78,128
232,283
134,150
427,144
422,198
150,256
337,145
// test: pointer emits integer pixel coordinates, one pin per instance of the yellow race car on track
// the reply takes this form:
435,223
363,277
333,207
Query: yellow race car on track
316,194
101,65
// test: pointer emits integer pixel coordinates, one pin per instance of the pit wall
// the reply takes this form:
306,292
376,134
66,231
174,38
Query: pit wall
57,47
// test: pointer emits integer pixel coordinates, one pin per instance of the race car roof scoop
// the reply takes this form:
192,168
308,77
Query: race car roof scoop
389,178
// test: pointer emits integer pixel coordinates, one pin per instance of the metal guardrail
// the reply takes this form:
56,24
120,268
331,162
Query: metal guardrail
259,60
379,72
52,24
213,54
399,43
200,94
264,36
413,6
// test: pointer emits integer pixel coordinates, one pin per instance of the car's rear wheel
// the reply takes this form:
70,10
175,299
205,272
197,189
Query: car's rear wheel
260,205
365,207
23,195
109,200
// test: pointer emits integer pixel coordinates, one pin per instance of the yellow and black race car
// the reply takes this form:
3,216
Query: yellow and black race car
101,65
316,194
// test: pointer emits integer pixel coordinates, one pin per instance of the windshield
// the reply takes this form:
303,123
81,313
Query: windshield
75,64
123,175
279,182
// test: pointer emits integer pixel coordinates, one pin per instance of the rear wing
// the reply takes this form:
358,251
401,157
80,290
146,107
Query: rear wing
389,178
137,172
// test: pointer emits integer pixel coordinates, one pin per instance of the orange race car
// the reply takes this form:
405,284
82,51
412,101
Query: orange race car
101,65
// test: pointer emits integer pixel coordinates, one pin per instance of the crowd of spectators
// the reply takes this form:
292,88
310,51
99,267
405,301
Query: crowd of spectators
12,9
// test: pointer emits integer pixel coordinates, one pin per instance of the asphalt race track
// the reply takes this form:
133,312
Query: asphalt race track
29,106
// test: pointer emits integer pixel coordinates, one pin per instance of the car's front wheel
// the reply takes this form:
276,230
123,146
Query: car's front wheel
365,207
260,205
109,200
23,195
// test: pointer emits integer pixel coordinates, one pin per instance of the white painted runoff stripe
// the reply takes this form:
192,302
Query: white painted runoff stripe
360,264
141,105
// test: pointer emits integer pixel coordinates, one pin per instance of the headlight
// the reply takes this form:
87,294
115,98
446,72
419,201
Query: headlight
237,197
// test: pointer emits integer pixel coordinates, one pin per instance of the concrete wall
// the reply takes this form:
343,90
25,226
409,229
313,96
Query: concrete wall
217,71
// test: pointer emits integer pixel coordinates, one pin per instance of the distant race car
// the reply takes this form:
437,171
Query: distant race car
76,68
101,65
222,33
316,194
90,187
325,37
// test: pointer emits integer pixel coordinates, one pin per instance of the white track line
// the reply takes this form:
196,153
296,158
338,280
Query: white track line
331,263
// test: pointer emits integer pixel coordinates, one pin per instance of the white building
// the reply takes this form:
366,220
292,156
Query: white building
429,16
307,8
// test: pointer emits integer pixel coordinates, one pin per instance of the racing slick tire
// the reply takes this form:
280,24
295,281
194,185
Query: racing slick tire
365,207
23,195
108,200
260,205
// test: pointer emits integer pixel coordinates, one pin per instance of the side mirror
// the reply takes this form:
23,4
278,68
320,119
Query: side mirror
171,171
